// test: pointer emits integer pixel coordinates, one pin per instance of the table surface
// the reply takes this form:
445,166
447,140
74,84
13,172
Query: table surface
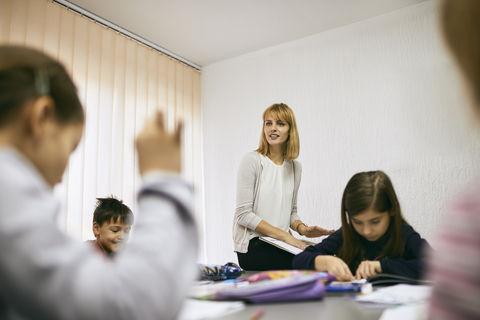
333,306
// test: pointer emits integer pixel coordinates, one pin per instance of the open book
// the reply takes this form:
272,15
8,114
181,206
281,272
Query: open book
285,246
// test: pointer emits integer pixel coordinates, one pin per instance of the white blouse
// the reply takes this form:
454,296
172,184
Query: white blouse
276,194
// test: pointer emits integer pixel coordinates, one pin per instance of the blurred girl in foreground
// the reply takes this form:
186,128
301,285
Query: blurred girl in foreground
455,267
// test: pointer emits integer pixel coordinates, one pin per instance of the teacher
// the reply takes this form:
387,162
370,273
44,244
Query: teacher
267,187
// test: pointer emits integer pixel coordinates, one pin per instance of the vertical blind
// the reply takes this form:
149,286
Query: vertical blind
120,83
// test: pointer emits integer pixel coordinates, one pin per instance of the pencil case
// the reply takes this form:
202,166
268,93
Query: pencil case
229,270
281,274
301,288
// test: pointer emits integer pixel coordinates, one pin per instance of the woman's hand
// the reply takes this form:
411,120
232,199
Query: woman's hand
295,242
158,149
366,269
335,266
313,231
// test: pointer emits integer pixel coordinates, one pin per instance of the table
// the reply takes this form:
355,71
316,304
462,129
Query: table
334,306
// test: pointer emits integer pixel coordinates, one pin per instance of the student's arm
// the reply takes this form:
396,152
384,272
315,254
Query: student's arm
321,257
48,275
329,246
415,255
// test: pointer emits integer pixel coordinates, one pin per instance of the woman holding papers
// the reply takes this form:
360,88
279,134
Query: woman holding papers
267,186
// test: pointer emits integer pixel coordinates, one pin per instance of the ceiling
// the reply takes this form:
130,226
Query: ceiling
208,31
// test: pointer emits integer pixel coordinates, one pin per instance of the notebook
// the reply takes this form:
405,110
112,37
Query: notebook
285,246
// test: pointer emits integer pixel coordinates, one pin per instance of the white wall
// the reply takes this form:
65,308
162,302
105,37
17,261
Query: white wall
378,94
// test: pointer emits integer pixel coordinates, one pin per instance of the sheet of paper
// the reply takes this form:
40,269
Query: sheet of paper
283,245
198,310
416,311
398,294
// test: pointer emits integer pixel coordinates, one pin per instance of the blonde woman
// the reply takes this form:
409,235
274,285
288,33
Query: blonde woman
267,187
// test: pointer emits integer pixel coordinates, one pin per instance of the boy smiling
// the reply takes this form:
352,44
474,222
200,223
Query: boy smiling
112,221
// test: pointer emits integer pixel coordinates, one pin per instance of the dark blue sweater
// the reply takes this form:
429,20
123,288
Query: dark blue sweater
410,265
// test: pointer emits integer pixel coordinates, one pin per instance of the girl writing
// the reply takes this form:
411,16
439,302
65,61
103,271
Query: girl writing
267,187
374,238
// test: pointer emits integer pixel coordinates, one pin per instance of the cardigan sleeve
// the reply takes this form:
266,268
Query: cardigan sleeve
329,246
414,256
246,178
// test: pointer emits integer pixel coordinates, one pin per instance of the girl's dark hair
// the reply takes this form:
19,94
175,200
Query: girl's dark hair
111,207
29,74
370,190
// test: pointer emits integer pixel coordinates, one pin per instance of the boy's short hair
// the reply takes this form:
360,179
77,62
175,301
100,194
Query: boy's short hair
111,207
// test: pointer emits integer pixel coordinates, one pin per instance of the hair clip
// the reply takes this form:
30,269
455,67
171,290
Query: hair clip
42,82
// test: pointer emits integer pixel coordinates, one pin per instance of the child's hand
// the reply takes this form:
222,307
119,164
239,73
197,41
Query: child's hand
314,231
157,149
335,266
366,269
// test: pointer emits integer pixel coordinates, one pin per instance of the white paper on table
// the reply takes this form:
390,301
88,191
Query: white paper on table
416,311
198,309
398,294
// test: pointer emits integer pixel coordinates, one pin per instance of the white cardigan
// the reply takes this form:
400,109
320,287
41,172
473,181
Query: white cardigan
248,189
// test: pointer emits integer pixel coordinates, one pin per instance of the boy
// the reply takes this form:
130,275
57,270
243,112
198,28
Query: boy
112,222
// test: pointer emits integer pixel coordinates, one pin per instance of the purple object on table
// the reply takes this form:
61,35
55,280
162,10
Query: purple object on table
300,288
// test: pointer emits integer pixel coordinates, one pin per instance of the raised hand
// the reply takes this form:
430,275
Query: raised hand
158,149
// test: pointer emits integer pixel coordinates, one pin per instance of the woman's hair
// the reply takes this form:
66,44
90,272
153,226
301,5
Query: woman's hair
27,74
370,190
292,147
460,20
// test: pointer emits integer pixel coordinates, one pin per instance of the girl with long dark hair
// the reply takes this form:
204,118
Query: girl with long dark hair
374,238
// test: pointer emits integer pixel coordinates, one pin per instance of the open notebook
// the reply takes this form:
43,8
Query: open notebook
285,246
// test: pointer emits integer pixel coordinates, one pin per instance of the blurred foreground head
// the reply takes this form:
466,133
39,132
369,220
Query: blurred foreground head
460,22
27,74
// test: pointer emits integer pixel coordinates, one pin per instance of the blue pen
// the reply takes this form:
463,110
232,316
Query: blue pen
355,286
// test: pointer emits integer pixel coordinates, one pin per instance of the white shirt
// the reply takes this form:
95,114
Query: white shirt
276,194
